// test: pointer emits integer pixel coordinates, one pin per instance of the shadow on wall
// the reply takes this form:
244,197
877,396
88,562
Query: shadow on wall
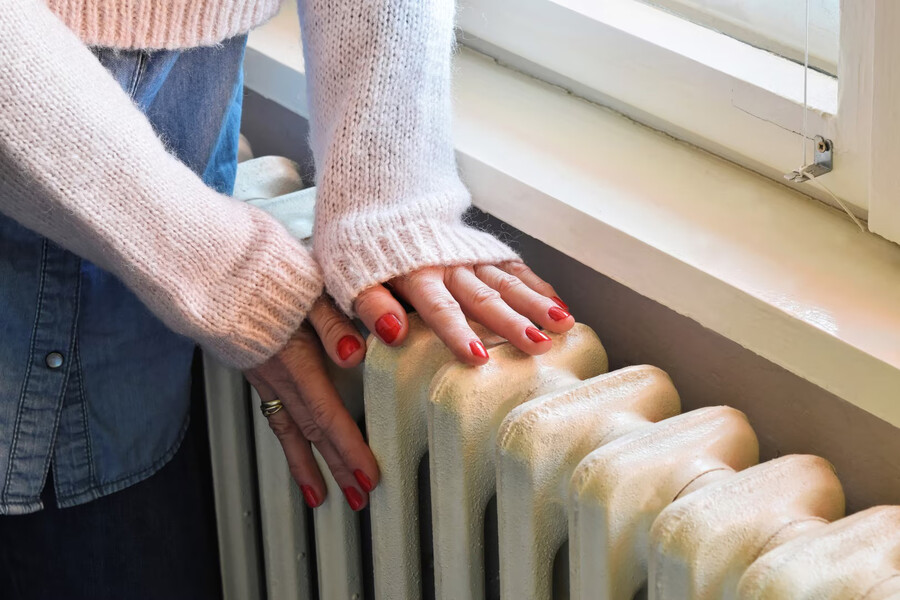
789,414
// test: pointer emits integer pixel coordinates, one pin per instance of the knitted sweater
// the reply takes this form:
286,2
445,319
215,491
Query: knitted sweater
81,165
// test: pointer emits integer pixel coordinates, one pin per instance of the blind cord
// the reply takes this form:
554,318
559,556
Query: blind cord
803,142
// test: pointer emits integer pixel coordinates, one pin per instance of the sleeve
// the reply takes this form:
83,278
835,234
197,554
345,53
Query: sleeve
390,200
82,166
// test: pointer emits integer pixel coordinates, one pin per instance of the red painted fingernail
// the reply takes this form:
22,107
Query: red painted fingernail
478,349
536,335
558,314
347,346
364,481
354,498
562,304
309,494
388,328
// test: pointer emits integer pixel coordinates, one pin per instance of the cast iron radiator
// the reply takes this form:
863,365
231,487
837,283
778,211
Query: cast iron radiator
537,478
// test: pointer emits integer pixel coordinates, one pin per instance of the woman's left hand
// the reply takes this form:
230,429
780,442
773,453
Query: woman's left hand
507,299
313,411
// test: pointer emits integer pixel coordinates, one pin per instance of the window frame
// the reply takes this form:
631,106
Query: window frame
884,103
736,101
756,23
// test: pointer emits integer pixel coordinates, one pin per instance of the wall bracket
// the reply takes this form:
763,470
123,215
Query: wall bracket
823,162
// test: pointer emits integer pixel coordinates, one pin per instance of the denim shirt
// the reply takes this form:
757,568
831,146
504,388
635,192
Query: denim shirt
91,383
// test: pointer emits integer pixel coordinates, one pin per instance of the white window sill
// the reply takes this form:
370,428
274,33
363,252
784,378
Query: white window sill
772,270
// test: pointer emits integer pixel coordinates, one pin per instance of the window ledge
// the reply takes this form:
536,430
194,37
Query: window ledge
771,269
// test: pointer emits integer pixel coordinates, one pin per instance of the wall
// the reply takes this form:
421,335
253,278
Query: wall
790,415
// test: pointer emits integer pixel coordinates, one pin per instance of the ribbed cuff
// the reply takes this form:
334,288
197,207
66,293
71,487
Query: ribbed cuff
267,299
361,255
170,24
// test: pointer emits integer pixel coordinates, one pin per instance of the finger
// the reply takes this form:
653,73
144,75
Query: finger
524,300
322,417
296,448
528,277
381,313
426,291
485,305
343,343
304,422
263,389
297,374
353,486
301,462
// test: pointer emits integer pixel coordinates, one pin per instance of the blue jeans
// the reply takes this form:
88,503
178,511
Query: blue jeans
95,392
154,540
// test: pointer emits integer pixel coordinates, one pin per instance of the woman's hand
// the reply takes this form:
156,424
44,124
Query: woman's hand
313,412
507,299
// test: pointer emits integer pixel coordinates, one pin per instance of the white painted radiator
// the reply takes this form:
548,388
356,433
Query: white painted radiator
549,477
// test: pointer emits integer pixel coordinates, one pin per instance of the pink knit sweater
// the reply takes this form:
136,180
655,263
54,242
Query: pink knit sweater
81,165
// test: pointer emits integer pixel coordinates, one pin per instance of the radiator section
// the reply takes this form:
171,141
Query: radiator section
284,520
538,447
234,481
396,392
465,409
339,550
701,544
856,557
620,488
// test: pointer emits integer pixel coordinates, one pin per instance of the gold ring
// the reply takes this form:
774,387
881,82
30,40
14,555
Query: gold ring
271,407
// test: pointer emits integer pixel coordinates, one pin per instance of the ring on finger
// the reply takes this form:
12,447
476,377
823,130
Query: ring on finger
271,407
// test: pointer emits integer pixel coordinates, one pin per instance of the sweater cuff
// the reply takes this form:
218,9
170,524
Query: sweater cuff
262,306
360,255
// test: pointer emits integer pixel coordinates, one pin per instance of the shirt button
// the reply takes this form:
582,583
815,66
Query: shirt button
54,360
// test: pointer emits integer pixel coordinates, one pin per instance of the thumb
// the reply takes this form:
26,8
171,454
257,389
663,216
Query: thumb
382,314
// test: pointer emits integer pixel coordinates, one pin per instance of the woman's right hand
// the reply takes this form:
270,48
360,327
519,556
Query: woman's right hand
507,299
313,412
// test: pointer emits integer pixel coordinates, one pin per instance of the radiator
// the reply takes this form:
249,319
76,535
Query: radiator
550,477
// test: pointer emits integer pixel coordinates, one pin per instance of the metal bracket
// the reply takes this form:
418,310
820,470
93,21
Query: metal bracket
823,162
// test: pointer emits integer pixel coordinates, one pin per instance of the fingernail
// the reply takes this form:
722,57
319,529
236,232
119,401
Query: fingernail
478,349
364,482
309,494
558,314
536,335
562,304
354,498
347,346
388,328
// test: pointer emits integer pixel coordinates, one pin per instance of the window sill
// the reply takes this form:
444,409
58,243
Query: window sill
771,269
